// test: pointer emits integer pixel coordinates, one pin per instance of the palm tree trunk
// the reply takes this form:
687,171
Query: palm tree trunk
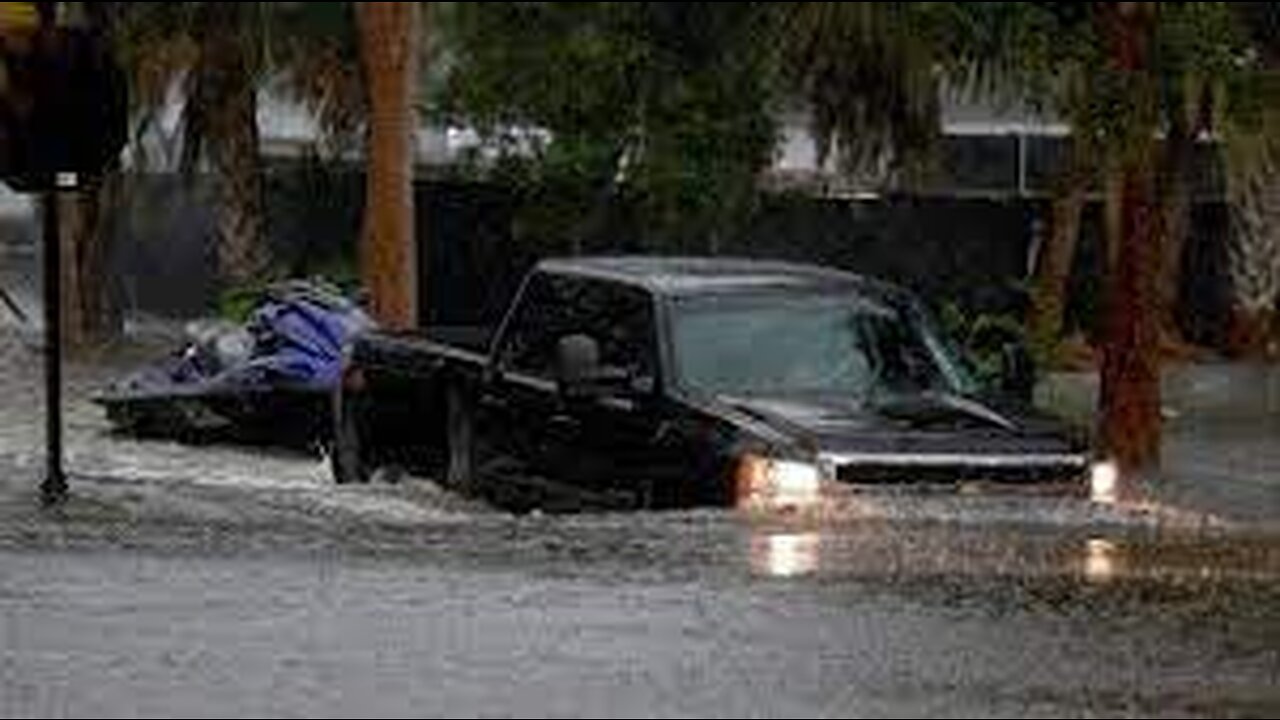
237,178
388,254
1131,423
1054,265
91,311
1255,268
226,91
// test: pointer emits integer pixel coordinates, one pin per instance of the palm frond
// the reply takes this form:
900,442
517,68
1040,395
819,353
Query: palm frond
870,73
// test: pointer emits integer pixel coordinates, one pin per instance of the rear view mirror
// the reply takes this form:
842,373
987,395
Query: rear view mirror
581,375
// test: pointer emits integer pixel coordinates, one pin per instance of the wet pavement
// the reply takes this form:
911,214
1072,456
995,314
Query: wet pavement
160,636
229,582
249,603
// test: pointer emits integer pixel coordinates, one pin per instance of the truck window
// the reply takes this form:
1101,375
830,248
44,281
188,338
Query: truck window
618,317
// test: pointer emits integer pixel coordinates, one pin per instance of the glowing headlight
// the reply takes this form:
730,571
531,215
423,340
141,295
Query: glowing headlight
1104,483
784,482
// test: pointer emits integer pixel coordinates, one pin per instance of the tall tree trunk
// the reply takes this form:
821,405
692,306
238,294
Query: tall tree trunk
1254,267
388,254
1054,264
91,310
228,110
1131,423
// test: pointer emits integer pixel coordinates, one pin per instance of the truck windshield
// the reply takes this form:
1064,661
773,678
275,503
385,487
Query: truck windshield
776,344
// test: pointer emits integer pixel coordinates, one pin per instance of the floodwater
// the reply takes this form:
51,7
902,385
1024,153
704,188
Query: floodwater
689,614
229,582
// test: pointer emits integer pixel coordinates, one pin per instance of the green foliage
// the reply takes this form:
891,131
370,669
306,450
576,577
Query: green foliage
661,109
670,109
870,74
238,303
982,338
662,115
1203,75
306,49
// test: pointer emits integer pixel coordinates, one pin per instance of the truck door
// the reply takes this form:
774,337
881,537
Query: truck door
604,448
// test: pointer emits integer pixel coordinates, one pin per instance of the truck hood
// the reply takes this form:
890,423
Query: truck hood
928,423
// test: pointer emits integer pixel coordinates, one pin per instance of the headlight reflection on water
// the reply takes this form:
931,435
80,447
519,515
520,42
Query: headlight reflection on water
1101,560
786,555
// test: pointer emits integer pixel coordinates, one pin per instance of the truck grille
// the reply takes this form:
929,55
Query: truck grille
945,470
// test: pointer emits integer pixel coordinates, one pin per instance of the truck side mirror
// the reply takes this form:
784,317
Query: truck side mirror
577,365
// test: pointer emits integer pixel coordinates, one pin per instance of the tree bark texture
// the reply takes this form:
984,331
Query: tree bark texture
92,315
1054,265
388,253
1131,422
227,94
1254,255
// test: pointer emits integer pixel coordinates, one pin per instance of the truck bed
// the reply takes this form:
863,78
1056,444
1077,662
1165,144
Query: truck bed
420,352
406,376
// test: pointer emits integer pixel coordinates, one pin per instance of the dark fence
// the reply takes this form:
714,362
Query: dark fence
968,249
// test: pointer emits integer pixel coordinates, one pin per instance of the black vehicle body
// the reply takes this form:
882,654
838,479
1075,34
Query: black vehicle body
588,387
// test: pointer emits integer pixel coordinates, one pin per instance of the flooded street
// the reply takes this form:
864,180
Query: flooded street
660,360
231,582
657,616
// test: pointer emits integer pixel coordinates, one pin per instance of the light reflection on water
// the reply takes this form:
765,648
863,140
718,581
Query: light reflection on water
790,555
786,555
1101,561
871,530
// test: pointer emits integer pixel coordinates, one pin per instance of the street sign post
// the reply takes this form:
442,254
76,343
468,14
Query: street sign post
53,489
62,120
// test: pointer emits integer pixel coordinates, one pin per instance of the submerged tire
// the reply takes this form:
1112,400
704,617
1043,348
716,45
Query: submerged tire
348,457
460,469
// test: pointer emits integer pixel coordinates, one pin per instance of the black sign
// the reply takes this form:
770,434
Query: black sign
63,106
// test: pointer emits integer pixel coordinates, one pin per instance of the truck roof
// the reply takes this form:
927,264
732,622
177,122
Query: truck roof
696,276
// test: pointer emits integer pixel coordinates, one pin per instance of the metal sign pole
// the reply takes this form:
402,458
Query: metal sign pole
63,109
53,490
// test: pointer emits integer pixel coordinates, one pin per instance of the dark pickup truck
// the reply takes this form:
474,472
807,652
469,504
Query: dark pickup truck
661,382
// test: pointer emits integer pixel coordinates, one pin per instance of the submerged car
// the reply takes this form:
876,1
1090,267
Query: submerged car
662,382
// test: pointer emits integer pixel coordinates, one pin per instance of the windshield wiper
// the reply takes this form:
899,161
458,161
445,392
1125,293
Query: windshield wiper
919,406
